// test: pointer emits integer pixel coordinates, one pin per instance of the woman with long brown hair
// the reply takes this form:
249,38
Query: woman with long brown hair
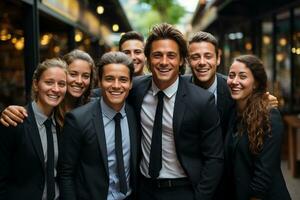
254,138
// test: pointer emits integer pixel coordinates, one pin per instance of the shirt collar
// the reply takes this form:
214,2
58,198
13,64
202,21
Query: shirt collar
213,87
169,92
109,112
40,117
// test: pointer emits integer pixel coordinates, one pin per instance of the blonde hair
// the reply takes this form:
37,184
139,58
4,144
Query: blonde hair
41,68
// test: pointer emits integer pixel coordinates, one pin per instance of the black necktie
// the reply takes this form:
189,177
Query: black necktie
119,154
50,161
155,152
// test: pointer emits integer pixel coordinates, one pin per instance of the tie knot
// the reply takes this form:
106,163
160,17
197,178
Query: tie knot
117,117
160,95
48,123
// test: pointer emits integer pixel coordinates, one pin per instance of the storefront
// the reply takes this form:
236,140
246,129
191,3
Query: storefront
33,30
269,29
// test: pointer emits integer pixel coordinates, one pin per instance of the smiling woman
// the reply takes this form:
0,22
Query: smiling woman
29,151
255,134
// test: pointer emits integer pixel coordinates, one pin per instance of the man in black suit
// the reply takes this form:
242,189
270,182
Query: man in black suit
90,165
204,58
182,150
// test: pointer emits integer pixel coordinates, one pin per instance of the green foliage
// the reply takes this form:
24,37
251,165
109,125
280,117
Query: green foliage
168,10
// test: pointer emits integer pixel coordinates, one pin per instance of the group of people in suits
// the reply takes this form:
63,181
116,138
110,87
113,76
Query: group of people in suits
182,137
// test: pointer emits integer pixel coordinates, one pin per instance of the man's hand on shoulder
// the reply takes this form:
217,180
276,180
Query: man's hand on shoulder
13,115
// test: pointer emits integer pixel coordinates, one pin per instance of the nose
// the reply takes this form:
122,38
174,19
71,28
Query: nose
164,60
202,60
55,87
235,80
132,55
116,84
78,79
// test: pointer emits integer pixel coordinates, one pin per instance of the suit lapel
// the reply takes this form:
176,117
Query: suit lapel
140,91
179,106
99,128
33,132
133,137
221,97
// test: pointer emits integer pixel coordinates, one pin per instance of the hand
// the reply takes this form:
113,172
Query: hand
12,115
273,101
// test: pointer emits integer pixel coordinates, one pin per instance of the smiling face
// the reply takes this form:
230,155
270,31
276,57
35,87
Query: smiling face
240,81
115,84
50,88
135,50
203,61
164,62
79,77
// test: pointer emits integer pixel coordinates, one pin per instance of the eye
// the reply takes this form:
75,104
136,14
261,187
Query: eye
86,76
194,57
72,74
109,78
126,52
49,82
138,52
62,84
231,76
156,55
243,77
124,79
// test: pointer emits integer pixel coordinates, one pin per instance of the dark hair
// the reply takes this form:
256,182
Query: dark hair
42,67
131,35
116,57
167,31
202,36
256,114
81,55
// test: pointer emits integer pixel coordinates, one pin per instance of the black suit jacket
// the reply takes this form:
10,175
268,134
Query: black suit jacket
256,175
83,165
225,103
197,133
22,168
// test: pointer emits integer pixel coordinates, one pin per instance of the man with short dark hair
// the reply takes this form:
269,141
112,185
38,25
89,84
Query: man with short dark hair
132,44
99,146
181,143
204,58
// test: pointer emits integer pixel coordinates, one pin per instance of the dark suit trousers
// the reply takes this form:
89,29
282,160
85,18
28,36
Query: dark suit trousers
149,191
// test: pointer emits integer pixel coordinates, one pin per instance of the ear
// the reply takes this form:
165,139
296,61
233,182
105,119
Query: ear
219,57
130,84
35,85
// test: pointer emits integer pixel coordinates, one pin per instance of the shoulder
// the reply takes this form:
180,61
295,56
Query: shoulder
187,77
85,110
96,92
141,79
222,76
193,90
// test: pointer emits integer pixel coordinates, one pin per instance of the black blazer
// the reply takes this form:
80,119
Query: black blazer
225,103
22,168
256,175
83,165
197,133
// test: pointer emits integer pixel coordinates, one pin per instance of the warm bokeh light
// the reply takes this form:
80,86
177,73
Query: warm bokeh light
100,10
115,27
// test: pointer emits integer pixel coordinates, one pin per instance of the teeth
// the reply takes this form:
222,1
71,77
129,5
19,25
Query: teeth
116,93
164,70
202,70
53,97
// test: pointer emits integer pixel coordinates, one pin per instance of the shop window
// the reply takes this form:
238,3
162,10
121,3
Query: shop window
12,77
282,82
296,67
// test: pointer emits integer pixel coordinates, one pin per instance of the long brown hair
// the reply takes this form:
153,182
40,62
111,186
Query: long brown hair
255,117
69,58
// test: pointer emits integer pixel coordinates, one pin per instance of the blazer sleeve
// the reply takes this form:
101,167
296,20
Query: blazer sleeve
212,151
7,147
266,162
69,158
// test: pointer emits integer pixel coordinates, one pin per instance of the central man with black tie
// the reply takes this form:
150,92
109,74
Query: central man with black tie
99,146
181,142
